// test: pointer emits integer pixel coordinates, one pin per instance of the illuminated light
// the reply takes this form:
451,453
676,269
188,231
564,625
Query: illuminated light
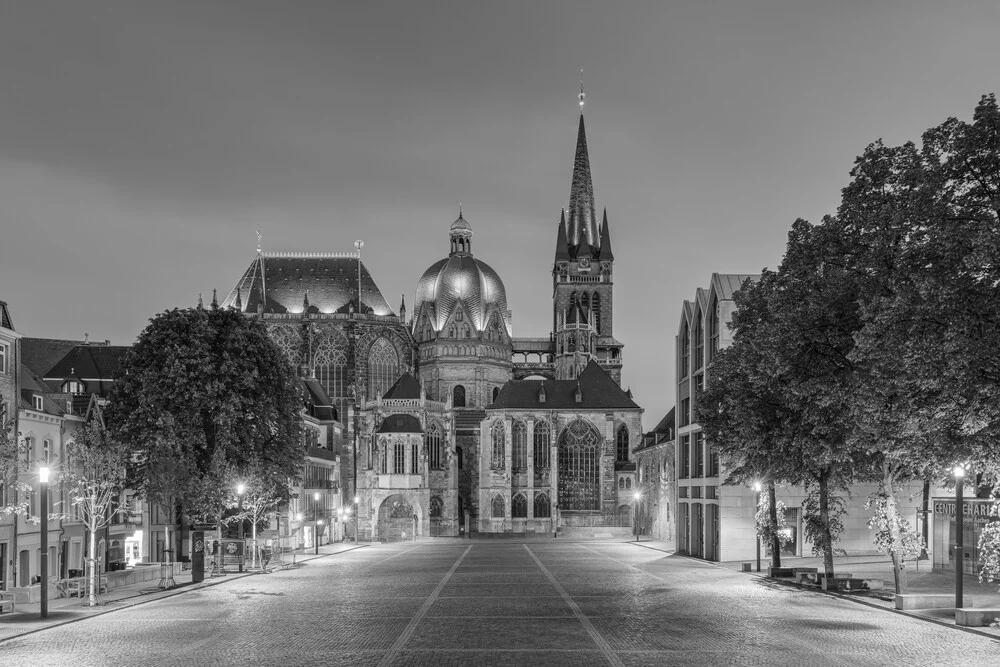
959,472
756,487
240,488
638,496
43,475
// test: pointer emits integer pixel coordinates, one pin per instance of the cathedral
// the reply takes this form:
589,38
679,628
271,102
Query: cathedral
454,425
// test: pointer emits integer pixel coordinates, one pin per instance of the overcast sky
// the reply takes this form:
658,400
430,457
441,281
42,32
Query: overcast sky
142,143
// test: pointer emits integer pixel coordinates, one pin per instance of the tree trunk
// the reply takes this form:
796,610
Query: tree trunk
824,517
895,538
775,542
92,570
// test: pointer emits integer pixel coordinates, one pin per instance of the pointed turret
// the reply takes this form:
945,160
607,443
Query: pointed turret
605,252
562,245
215,299
239,302
582,214
402,307
305,304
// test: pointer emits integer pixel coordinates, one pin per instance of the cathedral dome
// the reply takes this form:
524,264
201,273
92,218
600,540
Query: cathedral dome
460,277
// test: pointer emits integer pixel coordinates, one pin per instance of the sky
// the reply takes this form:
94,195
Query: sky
143,143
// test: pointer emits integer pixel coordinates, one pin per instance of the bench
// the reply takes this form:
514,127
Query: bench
849,583
909,601
976,618
802,574
6,600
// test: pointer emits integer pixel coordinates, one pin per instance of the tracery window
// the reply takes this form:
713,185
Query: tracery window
383,367
622,443
579,451
496,392
585,302
497,507
436,507
289,341
542,506
414,459
399,458
498,454
519,506
595,304
519,443
433,442
329,356
384,453
458,396
541,444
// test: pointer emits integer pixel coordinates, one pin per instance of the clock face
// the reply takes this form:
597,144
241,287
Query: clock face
584,263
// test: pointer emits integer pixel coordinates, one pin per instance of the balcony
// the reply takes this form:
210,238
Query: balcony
321,485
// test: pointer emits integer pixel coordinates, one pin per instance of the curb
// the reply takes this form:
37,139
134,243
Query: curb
146,598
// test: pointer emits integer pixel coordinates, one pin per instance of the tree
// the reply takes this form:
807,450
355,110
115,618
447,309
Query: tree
14,493
202,391
94,477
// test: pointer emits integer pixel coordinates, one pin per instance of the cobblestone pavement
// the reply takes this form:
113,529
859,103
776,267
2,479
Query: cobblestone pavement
501,603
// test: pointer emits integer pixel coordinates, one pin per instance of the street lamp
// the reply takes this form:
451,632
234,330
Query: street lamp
240,489
638,497
959,530
756,508
320,523
316,524
357,520
43,479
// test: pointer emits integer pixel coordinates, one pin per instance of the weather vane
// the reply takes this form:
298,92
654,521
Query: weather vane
582,94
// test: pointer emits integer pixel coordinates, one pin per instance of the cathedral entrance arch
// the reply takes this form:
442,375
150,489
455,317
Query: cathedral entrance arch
398,518
579,467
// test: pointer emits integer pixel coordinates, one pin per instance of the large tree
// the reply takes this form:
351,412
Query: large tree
204,391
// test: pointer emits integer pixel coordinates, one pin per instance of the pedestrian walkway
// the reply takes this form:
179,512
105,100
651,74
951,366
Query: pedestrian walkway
27,618
919,579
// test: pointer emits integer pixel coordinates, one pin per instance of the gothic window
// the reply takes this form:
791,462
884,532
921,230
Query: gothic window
496,392
628,482
621,483
289,341
595,304
451,331
497,507
459,316
579,453
713,328
519,441
498,457
329,357
573,298
622,443
685,350
571,342
585,302
458,396
383,367
541,445
399,458
414,459
433,442
371,452
519,506
542,506
436,507
699,340
458,453
384,453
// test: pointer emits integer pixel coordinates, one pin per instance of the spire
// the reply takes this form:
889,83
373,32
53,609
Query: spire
582,216
215,299
562,246
605,250
402,307
201,302
239,301
305,304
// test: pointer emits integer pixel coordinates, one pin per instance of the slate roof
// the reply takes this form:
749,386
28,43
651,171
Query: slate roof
663,431
407,386
727,283
318,403
5,320
30,385
467,421
331,280
41,354
89,363
400,424
598,392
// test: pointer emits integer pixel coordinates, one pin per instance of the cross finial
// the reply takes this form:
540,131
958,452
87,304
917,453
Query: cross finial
582,94
460,208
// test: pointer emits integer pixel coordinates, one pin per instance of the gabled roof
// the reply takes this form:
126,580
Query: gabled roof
598,391
5,321
406,386
400,424
318,403
726,283
41,354
89,362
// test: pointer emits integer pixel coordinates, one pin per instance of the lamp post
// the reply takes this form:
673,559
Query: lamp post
240,490
316,523
959,537
357,520
43,479
756,508
298,517
638,497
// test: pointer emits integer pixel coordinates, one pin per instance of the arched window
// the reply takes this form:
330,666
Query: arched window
329,358
384,454
458,453
628,482
436,507
585,302
458,396
621,483
414,459
541,444
383,367
621,440
496,392
579,481
399,459
542,506
497,507
498,455
519,506
595,304
519,442
433,442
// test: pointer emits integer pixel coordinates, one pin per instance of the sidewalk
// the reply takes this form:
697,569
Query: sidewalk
919,578
26,619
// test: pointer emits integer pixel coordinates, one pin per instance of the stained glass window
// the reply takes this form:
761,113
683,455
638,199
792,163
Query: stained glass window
458,396
579,482
414,459
399,459
498,458
519,442
384,453
542,506
383,367
497,507
436,507
519,506
541,444
596,306
329,355
433,442
622,443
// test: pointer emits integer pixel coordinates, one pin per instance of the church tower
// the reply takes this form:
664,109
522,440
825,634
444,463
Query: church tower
582,275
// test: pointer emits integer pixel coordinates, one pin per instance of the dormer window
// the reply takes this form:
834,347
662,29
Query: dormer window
36,402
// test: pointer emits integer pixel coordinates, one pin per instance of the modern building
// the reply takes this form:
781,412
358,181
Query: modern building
452,423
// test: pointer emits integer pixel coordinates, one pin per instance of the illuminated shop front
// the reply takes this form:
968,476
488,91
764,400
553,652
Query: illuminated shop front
975,516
